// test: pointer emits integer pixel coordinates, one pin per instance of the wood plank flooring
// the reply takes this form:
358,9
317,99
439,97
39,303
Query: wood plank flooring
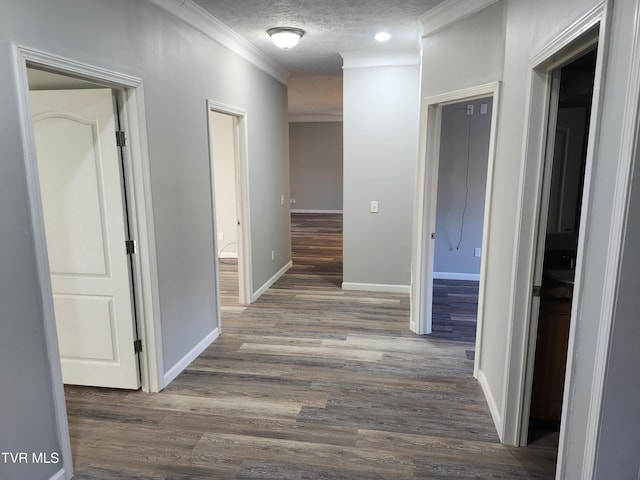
310,382
455,310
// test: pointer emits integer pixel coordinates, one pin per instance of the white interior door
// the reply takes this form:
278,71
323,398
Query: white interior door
551,154
431,201
82,195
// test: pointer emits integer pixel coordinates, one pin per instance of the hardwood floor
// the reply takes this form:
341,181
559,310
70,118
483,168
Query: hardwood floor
310,382
455,310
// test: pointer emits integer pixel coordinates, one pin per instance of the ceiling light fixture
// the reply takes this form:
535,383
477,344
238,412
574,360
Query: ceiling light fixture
285,37
382,36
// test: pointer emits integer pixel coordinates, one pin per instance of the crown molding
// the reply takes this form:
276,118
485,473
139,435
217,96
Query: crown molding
389,58
213,28
450,12
315,118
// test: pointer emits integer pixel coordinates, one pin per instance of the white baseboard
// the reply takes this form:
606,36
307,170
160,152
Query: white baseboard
456,276
190,357
493,406
315,211
376,287
60,475
228,255
270,282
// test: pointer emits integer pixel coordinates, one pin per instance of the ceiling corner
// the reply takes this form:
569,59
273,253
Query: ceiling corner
450,12
376,58
203,21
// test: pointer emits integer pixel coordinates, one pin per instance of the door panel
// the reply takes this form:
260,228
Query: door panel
75,245
82,196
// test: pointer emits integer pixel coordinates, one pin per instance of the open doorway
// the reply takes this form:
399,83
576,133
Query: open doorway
122,101
462,175
228,180
557,248
422,288
316,185
89,243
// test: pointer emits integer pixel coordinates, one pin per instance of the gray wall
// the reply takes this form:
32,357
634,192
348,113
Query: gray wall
223,151
464,150
619,443
181,69
381,107
315,165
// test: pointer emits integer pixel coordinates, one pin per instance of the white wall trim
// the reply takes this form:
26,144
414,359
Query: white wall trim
376,287
491,401
271,281
370,58
315,118
550,52
630,143
206,23
21,55
194,353
143,227
450,12
465,94
302,210
61,475
245,264
456,276
227,255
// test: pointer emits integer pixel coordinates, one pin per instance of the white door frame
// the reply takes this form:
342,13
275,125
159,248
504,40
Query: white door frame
145,277
245,276
569,45
426,199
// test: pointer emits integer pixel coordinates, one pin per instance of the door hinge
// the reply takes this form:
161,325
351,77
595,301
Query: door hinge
137,346
130,245
121,139
536,290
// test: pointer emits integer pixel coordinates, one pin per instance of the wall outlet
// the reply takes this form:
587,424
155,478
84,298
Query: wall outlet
220,236
469,109
374,206
292,200
483,109
477,252
273,255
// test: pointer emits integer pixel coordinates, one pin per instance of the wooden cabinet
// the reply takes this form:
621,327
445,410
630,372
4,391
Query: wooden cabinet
550,360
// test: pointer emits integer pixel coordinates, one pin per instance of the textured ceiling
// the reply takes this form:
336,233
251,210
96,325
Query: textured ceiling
331,26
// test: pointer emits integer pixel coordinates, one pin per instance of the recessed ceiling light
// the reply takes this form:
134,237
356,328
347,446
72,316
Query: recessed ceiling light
285,37
382,36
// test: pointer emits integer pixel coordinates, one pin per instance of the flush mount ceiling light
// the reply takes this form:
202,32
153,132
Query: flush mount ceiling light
285,37
382,36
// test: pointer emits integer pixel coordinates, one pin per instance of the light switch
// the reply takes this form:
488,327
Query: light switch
477,252
483,109
374,206
469,109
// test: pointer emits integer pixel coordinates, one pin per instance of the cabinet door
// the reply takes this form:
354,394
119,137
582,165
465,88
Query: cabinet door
551,360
